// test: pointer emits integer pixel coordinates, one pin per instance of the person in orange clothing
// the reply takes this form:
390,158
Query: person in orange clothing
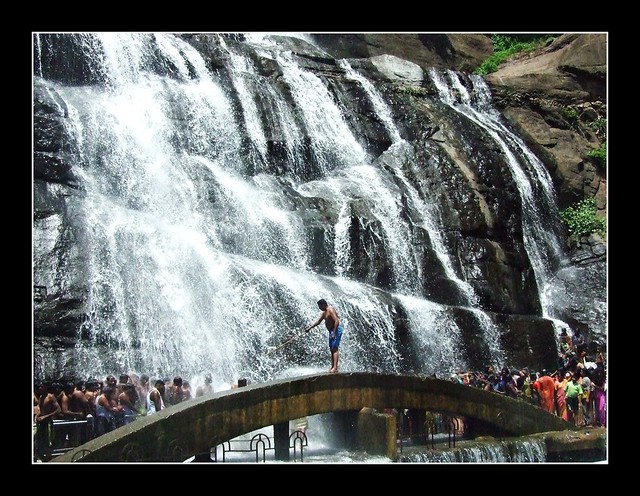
546,389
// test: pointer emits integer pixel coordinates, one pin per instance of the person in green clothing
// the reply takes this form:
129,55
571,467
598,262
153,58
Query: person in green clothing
573,393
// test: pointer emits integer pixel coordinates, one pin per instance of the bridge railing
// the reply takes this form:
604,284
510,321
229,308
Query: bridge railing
433,423
260,445
69,434
64,436
298,441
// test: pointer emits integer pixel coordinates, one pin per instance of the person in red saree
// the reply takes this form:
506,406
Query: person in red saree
546,387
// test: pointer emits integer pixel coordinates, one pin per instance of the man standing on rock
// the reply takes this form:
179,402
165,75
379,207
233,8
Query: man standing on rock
332,321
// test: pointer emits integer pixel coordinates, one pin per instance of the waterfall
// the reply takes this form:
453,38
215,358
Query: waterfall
199,258
525,450
427,217
382,109
534,183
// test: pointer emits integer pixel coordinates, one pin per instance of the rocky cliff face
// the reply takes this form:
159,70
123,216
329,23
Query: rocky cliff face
551,97
555,97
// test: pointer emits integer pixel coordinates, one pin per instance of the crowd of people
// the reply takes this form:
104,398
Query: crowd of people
575,391
93,408
84,410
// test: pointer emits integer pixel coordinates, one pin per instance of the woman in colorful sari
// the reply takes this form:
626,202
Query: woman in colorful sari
599,392
561,399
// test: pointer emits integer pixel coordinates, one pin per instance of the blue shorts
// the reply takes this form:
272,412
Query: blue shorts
335,342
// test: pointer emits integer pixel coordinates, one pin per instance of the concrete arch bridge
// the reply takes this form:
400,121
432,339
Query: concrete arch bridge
197,425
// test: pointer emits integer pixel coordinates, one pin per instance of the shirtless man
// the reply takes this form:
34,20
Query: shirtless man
177,392
78,402
70,411
207,388
107,410
48,409
332,321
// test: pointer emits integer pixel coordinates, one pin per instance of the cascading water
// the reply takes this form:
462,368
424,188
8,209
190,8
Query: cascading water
198,258
512,451
427,218
540,215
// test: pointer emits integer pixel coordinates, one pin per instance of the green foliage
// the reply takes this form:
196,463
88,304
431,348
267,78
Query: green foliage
600,154
569,113
501,42
599,126
582,219
507,45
